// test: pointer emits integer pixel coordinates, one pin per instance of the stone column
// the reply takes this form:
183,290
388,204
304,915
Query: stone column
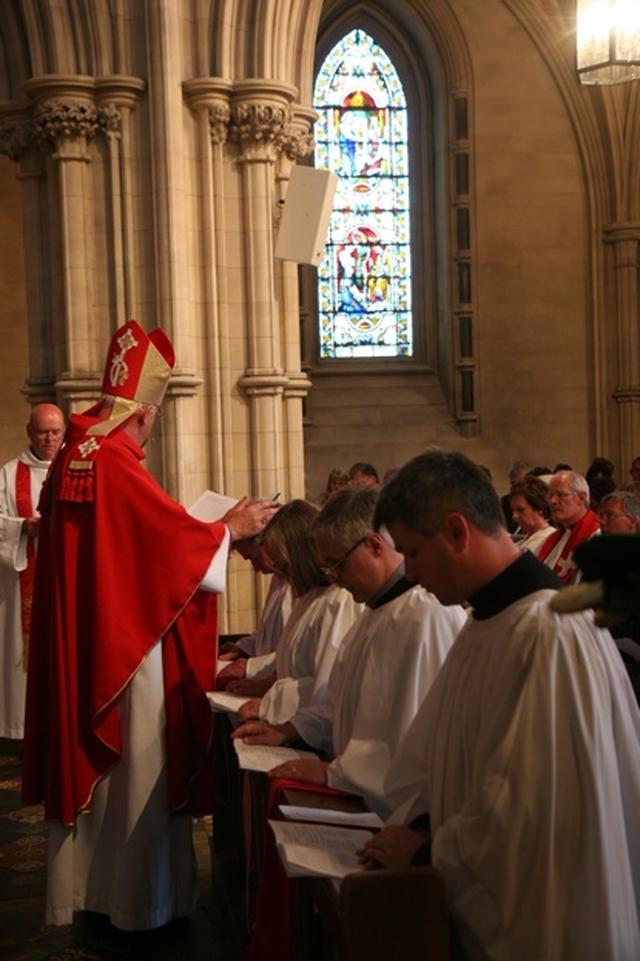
625,238
18,142
298,144
185,430
260,118
117,97
208,97
66,121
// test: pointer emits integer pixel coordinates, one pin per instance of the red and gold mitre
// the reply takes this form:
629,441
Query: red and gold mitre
138,364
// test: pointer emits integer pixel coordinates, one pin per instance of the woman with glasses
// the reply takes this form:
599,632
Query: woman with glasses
322,614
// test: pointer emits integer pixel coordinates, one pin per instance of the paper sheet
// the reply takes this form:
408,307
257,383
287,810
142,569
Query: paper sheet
211,506
315,850
263,757
224,701
361,819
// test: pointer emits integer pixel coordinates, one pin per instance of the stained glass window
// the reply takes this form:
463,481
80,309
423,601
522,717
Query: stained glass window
364,278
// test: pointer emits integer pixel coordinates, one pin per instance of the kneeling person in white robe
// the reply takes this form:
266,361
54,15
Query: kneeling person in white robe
384,667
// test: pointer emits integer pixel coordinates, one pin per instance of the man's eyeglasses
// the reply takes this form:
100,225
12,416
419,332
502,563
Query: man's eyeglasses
332,570
561,495
610,515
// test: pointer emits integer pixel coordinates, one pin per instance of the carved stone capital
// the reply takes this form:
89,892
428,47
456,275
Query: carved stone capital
261,117
14,141
260,126
298,141
219,119
59,120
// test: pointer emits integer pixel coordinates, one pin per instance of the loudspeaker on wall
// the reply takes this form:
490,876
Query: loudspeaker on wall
302,233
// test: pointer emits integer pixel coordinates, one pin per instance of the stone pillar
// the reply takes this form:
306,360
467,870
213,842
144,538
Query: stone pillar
117,97
185,428
66,121
625,238
18,142
260,120
208,97
298,144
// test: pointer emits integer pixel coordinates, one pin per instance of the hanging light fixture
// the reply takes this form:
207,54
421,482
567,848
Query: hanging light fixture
608,33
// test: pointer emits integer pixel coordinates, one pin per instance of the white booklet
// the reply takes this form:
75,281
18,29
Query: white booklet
225,701
264,757
211,506
318,850
354,819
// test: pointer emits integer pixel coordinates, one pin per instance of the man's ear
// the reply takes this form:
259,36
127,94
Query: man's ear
376,542
456,527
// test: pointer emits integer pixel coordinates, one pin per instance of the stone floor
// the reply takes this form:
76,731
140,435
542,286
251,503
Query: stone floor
213,934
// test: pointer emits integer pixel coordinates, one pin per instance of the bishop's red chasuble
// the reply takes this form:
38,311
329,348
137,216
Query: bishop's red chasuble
119,565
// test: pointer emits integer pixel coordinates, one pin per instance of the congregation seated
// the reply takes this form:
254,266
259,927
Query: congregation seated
385,665
337,479
322,614
363,476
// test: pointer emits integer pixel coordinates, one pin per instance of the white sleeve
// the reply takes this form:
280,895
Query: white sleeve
214,581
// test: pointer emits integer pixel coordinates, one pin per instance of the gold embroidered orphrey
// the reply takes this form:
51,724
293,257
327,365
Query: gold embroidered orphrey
88,446
119,371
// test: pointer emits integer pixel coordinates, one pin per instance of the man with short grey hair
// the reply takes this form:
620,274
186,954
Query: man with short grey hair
570,512
619,513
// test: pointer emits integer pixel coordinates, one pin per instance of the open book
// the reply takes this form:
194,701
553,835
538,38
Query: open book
263,757
328,815
318,850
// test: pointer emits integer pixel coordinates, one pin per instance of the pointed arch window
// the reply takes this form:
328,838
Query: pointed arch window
364,278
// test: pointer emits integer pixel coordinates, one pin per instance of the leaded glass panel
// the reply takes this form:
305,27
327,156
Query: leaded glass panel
364,277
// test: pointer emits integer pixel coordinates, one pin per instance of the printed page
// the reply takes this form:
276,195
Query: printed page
314,850
263,757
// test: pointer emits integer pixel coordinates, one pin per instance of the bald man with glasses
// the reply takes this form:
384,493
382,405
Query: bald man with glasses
21,480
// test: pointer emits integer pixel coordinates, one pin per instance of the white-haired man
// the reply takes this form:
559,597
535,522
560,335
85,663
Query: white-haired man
576,522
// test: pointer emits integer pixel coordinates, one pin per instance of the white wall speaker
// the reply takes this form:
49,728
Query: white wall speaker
306,212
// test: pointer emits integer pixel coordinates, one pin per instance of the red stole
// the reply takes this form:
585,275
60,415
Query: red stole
581,531
25,509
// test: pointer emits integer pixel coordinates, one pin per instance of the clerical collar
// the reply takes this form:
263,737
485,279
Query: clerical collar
35,456
396,585
525,576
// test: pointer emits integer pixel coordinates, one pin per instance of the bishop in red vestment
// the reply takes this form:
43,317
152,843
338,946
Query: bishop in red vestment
123,649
